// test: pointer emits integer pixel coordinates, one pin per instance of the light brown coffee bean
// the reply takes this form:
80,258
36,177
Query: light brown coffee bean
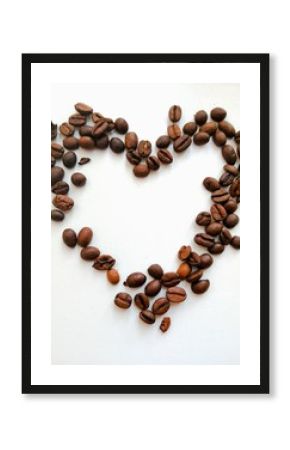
217,114
90,253
63,202
176,295
123,300
184,252
200,287
200,117
131,141
141,170
66,129
183,270
209,128
144,148
113,276
173,131
85,236
160,306
147,317
165,324
69,237
174,113
201,138
141,301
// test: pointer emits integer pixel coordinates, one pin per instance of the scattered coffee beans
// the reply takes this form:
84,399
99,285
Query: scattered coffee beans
85,236
63,202
165,324
176,294
113,276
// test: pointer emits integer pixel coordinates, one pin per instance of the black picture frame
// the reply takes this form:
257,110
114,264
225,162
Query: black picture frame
263,60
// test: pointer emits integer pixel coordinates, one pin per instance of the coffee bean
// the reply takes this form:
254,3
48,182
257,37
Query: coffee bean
121,126
195,276
102,142
211,184
96,117
83,161
184,252
170,279
123,300
200,287
231,205
226,179
163,141
56,150
219,138
182,143
90,253
85,236
71,143
57,174
231,169
60,187
231,220
174,113
144,149
209,128
67,129
218,212
227,128
193,259
217,114
183,270
104,262
153,288
190,128
160,306
147,316
117,145
204,239
165,156
155,270
99,119
83,109
173,131
235,242
153,163
53,161
176,294
100,128
133,157
220,196
57,215
203,219
113,276
201,138
141,170
225,236
69,237
53,130
214,228
206,261
69,159
78,179
131,141
86,130
63,202
200,117
237,137
135,279
87,142
235,188
165,324
141,301
77,120
216,248
229,154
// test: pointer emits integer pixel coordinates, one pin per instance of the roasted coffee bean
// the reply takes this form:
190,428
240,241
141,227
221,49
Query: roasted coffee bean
201,138
87,142
216,248
231,205
211,184
220,196
53,161
193,259
165,156
147,316
233,170
56,150
102,142
57,174
96,117
235,188
200,117
83,109
100,128
206,261
229,154
77,120
141,170
63,202
153,162
165,324
209,128
214,228
71,143
57,215
170,279
204,239
227,128
155,270
225,236
144,148
174,113
235,242
60,187
123,300
133,157
182,143
160,306
237,137
104,262
85,236
194,276
69,237
78,179
131,141
141,301
53,130
135,279
153,288
231,220
203,219
184,252
183,270
226,179
67,129
190,128
176,294
218,212
113,276
121,125
69,159
173,131
90,253
86,130
117,145
219,138
200,287
163,141
217,114
83,161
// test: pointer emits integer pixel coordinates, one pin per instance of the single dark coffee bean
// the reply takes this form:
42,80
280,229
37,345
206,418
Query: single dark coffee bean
56,150
87,142
206,261
194,276
231,205
123,300
155,270
184,252
209,128
53,161
165,324
69,159
153,288
67,129
183,270
163,141
84,161
113,276
160,306
226,179
141,301
164,156
233,170
144,148
141,170
227,128
220,196
78,179
71,143
174,113
204,239
63,202
90,253
190,128
200,117
217,114
218,212
173,131
86,130
85,236
60,187
201,138
225,236
153,162
77,120
57,174
104,262
83,109
235,242
102,142
147,316
193,259
235,188
117,145
182,143
231,220
121,125
237,137
57,215
131,141
170,279
211,184
203,219
214,228
69,237
176,294
216,248
133,157
229,154
200,287
53,130
100,128
219,138
135,279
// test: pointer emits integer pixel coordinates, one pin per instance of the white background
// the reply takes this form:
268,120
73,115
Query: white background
87,421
